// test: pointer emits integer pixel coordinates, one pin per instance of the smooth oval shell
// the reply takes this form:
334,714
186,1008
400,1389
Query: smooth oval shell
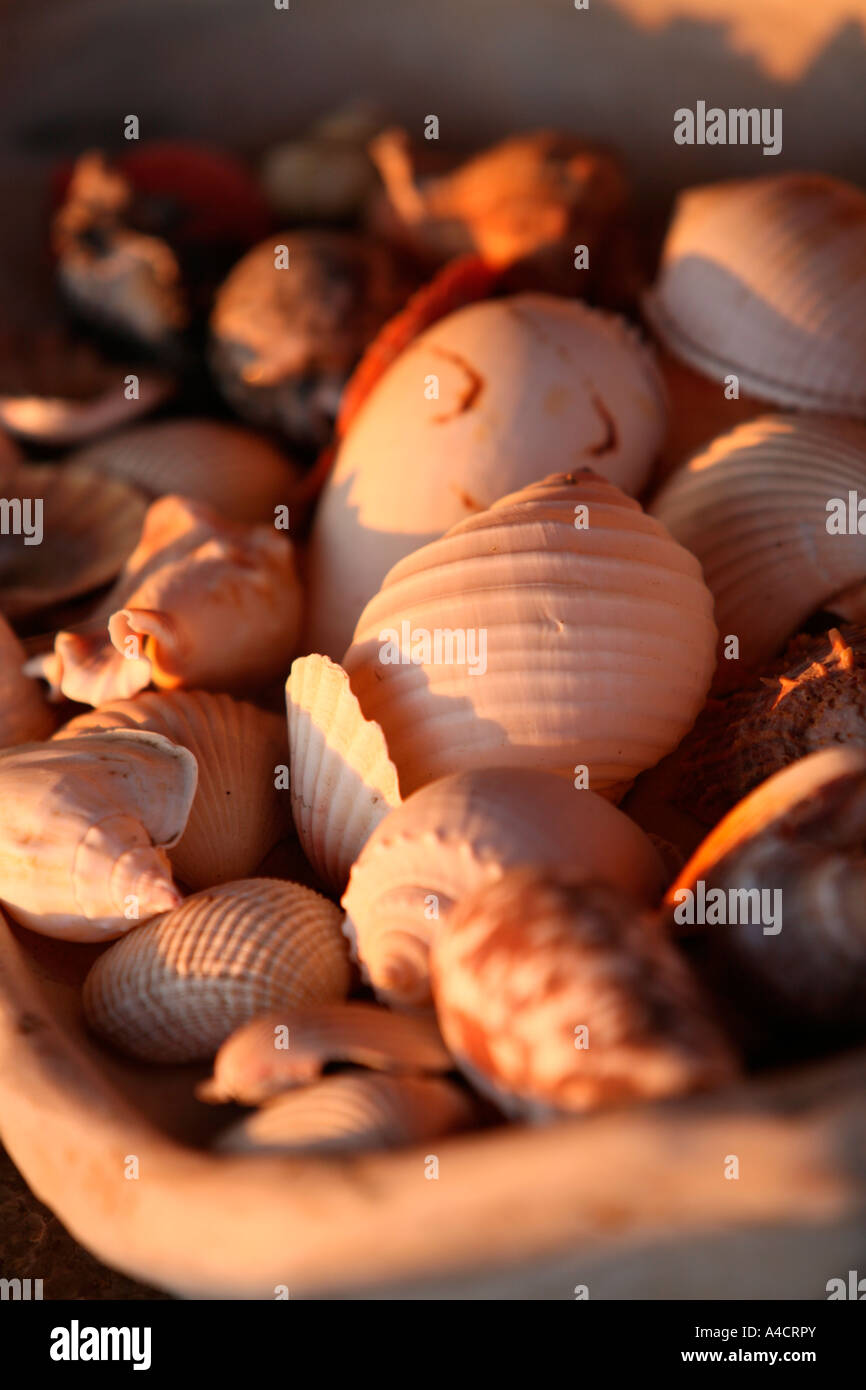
183,983
24,715
526,385
764,278
598,641
465,830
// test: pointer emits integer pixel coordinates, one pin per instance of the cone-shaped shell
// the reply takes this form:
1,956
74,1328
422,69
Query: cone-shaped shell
566,997
466,830
24,715
281,1051
764,278
756,508
344,1114
343,782
239,813
84,828
563,627
485,401
177,988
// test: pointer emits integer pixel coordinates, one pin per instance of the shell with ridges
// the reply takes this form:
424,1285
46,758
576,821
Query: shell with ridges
24,715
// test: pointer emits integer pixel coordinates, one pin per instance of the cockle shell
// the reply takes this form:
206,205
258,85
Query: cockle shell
587,639
566,997
763,278
462,831
239,813
174,990
753,508
281,1051
485,401
85,826
344,1114
342,781
24,715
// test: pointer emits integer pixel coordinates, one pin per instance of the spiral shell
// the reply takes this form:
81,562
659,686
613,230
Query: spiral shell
24,715
466,830
763,278
559,644
342,780
174,990
84,828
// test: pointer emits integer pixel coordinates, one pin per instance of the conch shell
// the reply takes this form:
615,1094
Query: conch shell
565,997
85,826
174,990
466,830
572,631
24,715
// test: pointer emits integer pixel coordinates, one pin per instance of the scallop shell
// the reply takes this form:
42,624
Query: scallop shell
524,385
560,644
763,278
85,825
24,715
466,830
177,988
281,1051
344,1114
238,814
342,781
753,508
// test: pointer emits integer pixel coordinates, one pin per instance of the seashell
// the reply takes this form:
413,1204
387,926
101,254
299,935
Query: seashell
281,1051
754,509
357,1111
559,643
466,830
10,462
763,278
801,955
24,715
175,989
698,410
342,781
565,997
239,473
85,825
525,384
238,814
327,174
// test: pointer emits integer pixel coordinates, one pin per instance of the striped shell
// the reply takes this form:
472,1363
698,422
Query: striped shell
764,278
466,830
24,715
485,401
342,780
597,640
174,990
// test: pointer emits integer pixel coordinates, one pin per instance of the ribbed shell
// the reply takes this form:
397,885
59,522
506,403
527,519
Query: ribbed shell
599,641
765,278
753,508
466,830
342,780
183,983
24,715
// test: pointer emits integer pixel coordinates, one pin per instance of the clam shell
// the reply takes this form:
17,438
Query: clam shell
342,781
764,278
238,814
465,830
85,825
177,988
24,715
281,1051
753,508
525,384
598,641
344,1114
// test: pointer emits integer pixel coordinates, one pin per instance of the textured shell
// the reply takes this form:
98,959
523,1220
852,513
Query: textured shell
177,988
753,508
281,1051
238,814
525,385
342,780
599,640
764,278
24,715
344,1114
523,964
466,830
84,828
